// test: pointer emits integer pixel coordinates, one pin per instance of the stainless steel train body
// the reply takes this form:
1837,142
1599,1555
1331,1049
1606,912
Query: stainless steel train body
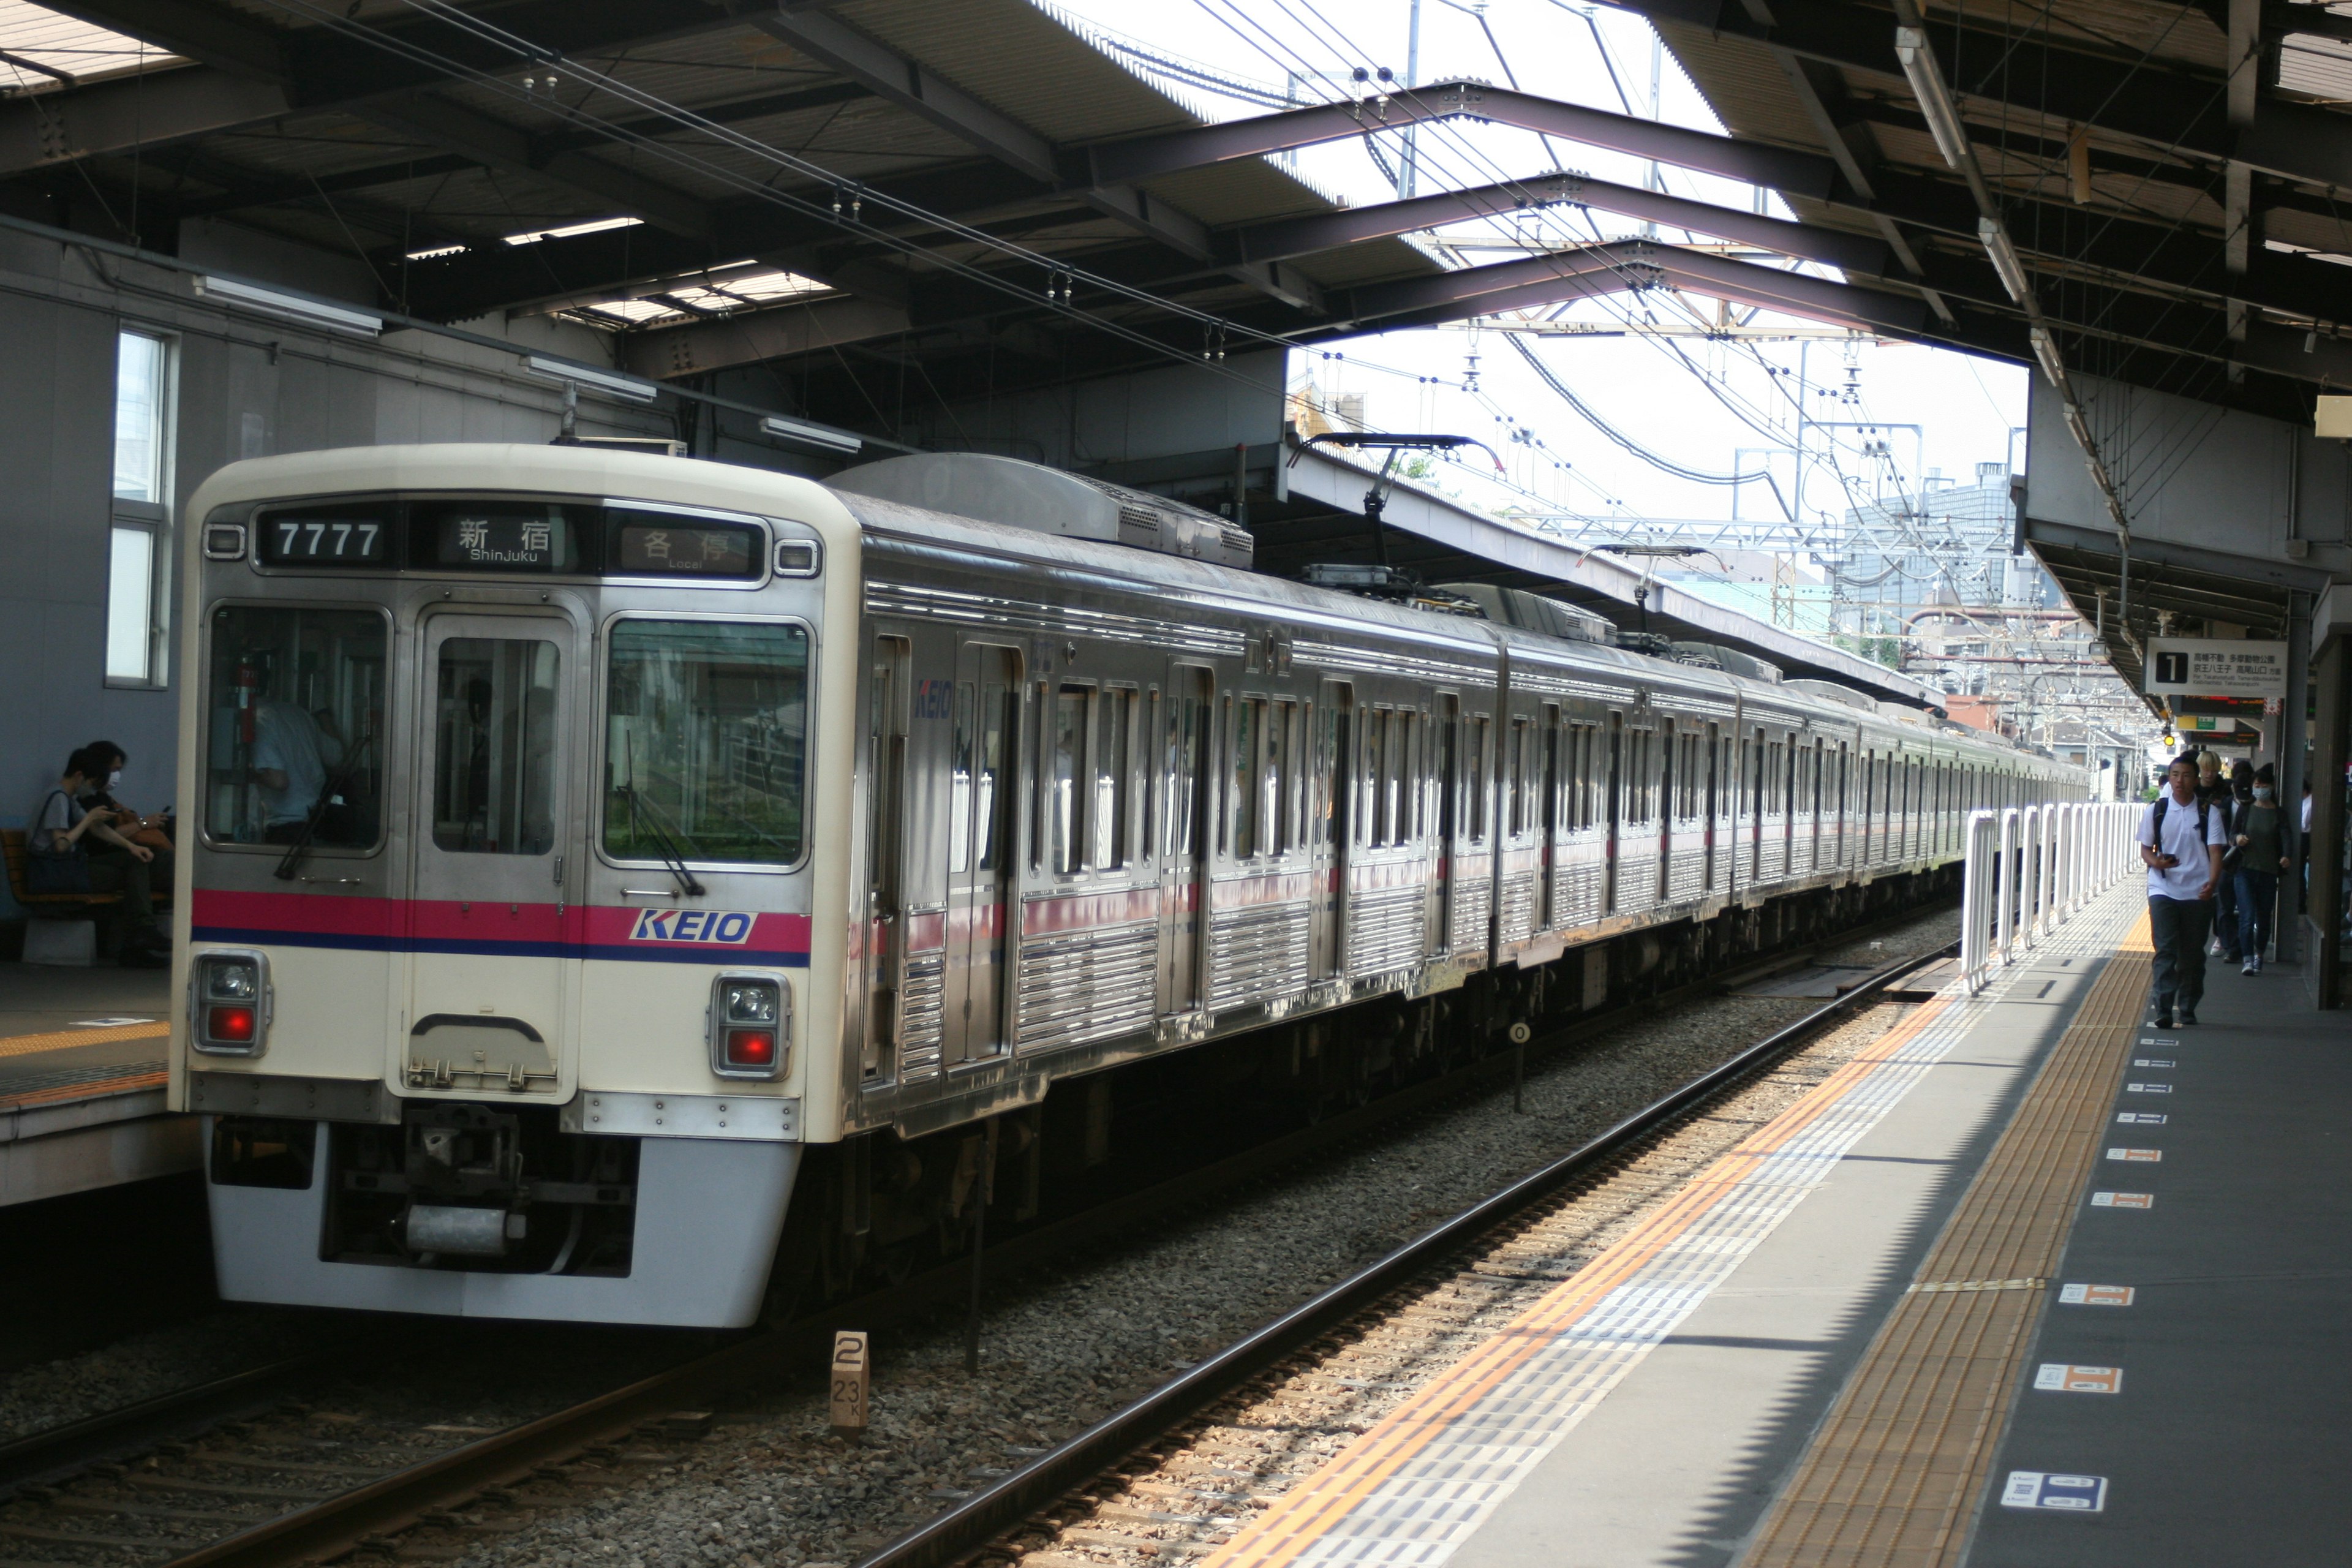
601,834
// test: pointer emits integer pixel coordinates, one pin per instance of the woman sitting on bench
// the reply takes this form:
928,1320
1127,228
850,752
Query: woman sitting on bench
60,859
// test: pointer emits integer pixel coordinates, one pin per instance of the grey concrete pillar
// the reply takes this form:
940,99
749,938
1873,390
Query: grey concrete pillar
2322,923
2288,738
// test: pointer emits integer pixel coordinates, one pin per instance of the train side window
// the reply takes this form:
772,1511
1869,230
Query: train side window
1475,760
1113,775
1281,775
1380,809
1515,776
1188,727
1246,795
961,777
1148,783
1067,781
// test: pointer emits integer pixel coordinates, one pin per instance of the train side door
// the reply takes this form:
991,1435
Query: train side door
1335,741
1615,802
889,707
983,785
497,814
1712,803
1186,794
1449,816
1550,895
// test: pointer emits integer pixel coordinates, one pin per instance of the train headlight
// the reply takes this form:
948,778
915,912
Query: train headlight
228,1004
750,1026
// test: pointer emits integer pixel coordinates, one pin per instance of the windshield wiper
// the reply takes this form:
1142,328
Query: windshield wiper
671,857
329,794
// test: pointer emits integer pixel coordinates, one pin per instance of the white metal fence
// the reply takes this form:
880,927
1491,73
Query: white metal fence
2030,867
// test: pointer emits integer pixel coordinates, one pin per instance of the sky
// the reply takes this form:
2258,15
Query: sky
1710,407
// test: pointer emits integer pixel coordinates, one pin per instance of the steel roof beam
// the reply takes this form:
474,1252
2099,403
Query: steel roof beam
249,74
915,88
2161,104
493,276
1172,152
2167,257
53,130
1615,268
1330,231
449,125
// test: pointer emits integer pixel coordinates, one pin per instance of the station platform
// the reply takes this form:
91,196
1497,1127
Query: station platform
2027,1282
81,1081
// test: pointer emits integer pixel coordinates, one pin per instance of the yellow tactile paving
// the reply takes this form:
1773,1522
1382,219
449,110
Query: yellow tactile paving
1308,1511
1893,1476
88,1088
65,1039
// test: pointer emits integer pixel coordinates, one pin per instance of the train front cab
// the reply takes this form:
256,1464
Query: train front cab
523,1028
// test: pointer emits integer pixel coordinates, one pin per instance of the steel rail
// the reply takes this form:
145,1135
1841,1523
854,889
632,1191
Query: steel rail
404,1497
53,1451
979,1519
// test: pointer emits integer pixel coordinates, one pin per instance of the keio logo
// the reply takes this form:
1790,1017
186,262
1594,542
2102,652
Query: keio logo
727,927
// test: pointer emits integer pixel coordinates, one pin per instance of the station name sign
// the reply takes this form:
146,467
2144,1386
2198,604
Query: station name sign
2214,667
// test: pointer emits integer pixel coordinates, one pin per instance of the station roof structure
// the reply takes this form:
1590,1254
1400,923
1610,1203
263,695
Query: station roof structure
879,202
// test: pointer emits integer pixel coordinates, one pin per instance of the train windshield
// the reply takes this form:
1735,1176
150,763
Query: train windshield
706,732
295,709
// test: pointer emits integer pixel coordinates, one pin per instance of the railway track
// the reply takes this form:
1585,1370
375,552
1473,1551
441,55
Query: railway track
235,1474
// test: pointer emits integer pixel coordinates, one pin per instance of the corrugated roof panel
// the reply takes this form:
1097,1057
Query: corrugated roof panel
1745,86
2129,30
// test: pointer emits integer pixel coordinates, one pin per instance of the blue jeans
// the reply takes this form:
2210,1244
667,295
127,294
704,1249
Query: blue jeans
2257,893
2177,928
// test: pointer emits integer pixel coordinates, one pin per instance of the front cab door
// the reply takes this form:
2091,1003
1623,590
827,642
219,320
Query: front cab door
494,813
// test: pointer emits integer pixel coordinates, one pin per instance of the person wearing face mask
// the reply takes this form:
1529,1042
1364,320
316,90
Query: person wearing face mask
2236,793
154,830
2260,853
69,850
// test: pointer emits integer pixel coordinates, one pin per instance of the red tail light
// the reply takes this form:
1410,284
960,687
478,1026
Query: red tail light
229,1025
750,1047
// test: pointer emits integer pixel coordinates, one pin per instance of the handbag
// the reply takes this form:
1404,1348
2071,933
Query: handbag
56,872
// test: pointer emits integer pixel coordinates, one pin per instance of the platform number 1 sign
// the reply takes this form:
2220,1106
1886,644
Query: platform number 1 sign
852,1378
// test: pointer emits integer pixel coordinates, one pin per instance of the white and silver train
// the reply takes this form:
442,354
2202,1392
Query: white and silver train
615,880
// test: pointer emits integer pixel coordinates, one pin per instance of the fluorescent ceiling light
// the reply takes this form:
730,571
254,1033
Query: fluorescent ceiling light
823,436
434,252
1935,98
293,307
2005,260
2045,350
633,388
599,226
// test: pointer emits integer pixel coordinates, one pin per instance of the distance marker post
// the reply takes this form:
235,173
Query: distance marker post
852,1380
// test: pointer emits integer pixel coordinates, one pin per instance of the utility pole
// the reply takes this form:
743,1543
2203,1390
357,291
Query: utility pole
1408,166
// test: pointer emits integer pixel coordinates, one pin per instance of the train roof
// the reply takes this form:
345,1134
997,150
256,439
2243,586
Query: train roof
902,527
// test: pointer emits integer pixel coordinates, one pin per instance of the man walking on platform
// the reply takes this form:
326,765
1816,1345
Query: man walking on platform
2180,842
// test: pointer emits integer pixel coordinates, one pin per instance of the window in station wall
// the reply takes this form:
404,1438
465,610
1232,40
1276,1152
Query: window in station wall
137,557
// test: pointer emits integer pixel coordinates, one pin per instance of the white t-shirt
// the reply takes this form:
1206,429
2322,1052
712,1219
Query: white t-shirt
2187,879
285,740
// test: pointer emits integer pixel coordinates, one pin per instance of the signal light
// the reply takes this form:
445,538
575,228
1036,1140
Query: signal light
230,1003
230,1025
750,1024
750,1047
